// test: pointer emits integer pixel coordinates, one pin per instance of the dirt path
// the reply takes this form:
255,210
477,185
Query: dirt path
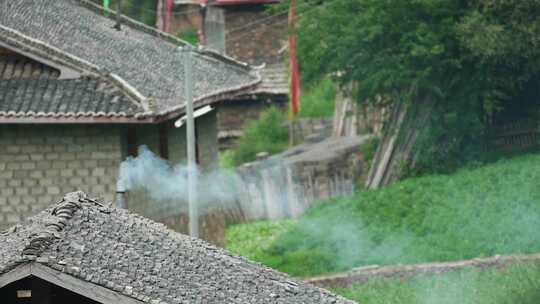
363,274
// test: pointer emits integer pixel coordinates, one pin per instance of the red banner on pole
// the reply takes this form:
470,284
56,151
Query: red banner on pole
293,63
167,16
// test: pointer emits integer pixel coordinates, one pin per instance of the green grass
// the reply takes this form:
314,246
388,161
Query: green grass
519,283
318,100
478,212
254,239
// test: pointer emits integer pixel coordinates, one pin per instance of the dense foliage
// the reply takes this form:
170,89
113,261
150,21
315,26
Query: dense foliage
267,134
318,100
485,211
471,58
519,283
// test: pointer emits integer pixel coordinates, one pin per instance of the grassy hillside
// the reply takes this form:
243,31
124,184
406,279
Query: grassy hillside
517,284
494,209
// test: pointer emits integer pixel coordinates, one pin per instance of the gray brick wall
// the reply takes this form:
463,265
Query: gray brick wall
38,164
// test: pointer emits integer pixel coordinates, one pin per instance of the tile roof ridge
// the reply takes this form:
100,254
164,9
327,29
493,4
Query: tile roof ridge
49,52
132,93
209,98
44,50
108,13
54,225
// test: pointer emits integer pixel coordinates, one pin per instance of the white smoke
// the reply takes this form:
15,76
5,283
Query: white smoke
163,182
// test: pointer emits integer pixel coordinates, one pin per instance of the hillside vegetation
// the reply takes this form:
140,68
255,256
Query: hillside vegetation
483,211
518,283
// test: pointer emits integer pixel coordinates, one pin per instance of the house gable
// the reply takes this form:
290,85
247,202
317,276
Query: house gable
23,61
14,65
39,281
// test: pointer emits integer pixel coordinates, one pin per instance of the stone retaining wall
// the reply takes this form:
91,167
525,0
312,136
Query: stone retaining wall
363,274
312,129
287,184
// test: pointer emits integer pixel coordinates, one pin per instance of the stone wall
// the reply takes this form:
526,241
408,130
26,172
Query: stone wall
362,275
211,226
251,40
38,164
186,18
285,185
312,129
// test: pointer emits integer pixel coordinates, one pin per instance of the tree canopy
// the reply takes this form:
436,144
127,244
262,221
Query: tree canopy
472,57
477,48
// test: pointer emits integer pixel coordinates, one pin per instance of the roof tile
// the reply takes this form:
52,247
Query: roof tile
141,259
142,57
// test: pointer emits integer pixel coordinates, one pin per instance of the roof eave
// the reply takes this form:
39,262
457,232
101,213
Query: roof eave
75,120
60,278
212,98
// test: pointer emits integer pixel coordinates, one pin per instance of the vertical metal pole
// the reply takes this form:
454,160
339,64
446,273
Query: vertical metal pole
190,128
118,25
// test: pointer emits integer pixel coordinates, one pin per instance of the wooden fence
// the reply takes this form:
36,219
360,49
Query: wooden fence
517,135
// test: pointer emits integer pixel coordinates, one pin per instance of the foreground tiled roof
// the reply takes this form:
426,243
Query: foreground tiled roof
79,34
144,260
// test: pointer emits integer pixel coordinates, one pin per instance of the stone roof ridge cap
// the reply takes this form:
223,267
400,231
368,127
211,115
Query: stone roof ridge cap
111,14
223,57
207,98
108,13
65,209
47,51
260,67
133,94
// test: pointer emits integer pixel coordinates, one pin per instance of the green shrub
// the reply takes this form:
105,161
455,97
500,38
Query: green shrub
267,134
252,240
369,149
319,99
475,212
189,35
226,159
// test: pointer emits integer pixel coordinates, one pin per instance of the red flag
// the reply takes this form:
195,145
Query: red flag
293,63
168,7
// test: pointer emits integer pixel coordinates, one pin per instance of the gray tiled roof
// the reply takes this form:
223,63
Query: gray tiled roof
274,80
144,260
149,61
21,67
82,97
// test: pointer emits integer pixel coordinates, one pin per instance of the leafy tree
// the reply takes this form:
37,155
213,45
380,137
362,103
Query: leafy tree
470,57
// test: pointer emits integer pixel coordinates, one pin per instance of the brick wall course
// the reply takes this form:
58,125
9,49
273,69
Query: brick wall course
37,164
259,43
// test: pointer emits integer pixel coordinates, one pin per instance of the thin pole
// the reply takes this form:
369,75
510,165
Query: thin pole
118,25
190,130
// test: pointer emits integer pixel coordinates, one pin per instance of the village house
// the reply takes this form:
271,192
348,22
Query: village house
81,89
79,251
246,31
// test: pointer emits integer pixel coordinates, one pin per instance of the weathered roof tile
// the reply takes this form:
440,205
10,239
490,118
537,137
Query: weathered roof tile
148,60
144,260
